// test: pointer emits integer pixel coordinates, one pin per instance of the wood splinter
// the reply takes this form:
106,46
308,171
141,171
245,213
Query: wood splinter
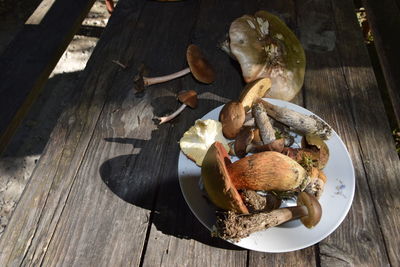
303,124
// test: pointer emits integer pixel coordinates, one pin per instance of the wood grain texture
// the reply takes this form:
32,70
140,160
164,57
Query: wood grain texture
176,237
29,59
40,207
339,76
378,152
127,153
106,191
384,20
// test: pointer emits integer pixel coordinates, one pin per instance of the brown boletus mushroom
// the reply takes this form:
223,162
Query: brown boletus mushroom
217,182
265,171
187,98
265,47
232,117
199,66
235,227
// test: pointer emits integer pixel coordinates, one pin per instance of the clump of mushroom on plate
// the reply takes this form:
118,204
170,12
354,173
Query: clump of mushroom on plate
248,192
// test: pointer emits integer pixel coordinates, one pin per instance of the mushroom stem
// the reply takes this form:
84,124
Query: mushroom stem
110,6
154,80
267,132
173,115
237,226
303,124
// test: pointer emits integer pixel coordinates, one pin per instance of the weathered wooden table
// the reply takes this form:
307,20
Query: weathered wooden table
106,142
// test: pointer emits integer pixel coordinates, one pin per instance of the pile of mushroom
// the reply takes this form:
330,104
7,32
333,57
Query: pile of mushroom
261,136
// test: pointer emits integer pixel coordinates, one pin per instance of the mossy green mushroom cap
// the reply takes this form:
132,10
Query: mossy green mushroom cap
265,47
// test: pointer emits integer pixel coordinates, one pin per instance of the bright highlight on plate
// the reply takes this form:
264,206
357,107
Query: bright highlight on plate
293,235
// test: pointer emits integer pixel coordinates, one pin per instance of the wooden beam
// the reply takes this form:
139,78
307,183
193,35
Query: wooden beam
29,59
384,20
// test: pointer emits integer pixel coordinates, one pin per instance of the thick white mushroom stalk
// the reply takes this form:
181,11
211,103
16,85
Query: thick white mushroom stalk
265,47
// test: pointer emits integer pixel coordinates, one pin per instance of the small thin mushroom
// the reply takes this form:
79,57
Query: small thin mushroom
199,66
234,227
303,124
187,98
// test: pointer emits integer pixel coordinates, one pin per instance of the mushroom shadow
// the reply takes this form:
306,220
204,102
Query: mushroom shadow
161,195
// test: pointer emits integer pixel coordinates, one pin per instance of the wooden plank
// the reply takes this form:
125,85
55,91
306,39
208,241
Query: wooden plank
177,238
378,152
384,20
175,231
26,239
29,59
127,152
340,76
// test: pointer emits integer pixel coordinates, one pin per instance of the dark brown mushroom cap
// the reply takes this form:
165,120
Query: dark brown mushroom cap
199,65
232,117
217,180
243,139
313,207
266,47
188,97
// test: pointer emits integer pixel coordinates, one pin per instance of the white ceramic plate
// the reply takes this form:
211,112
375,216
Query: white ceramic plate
335,201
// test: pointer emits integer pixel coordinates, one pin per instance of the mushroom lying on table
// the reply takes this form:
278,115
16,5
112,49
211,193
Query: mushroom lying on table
265,47
234,226
187,98
198,66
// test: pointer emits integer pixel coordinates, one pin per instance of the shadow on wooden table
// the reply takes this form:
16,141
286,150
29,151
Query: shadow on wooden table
170,213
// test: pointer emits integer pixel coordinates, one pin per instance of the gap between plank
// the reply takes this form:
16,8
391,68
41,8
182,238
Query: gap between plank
359,144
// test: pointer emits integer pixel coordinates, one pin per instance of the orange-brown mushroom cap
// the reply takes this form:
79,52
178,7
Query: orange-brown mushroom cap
313,207
199,65
188,97
217,180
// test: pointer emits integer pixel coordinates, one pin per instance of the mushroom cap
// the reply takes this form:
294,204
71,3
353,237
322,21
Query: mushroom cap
318,147
188,97
232,117
199,65
266,47
243,139
254,91
313,207
217,181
